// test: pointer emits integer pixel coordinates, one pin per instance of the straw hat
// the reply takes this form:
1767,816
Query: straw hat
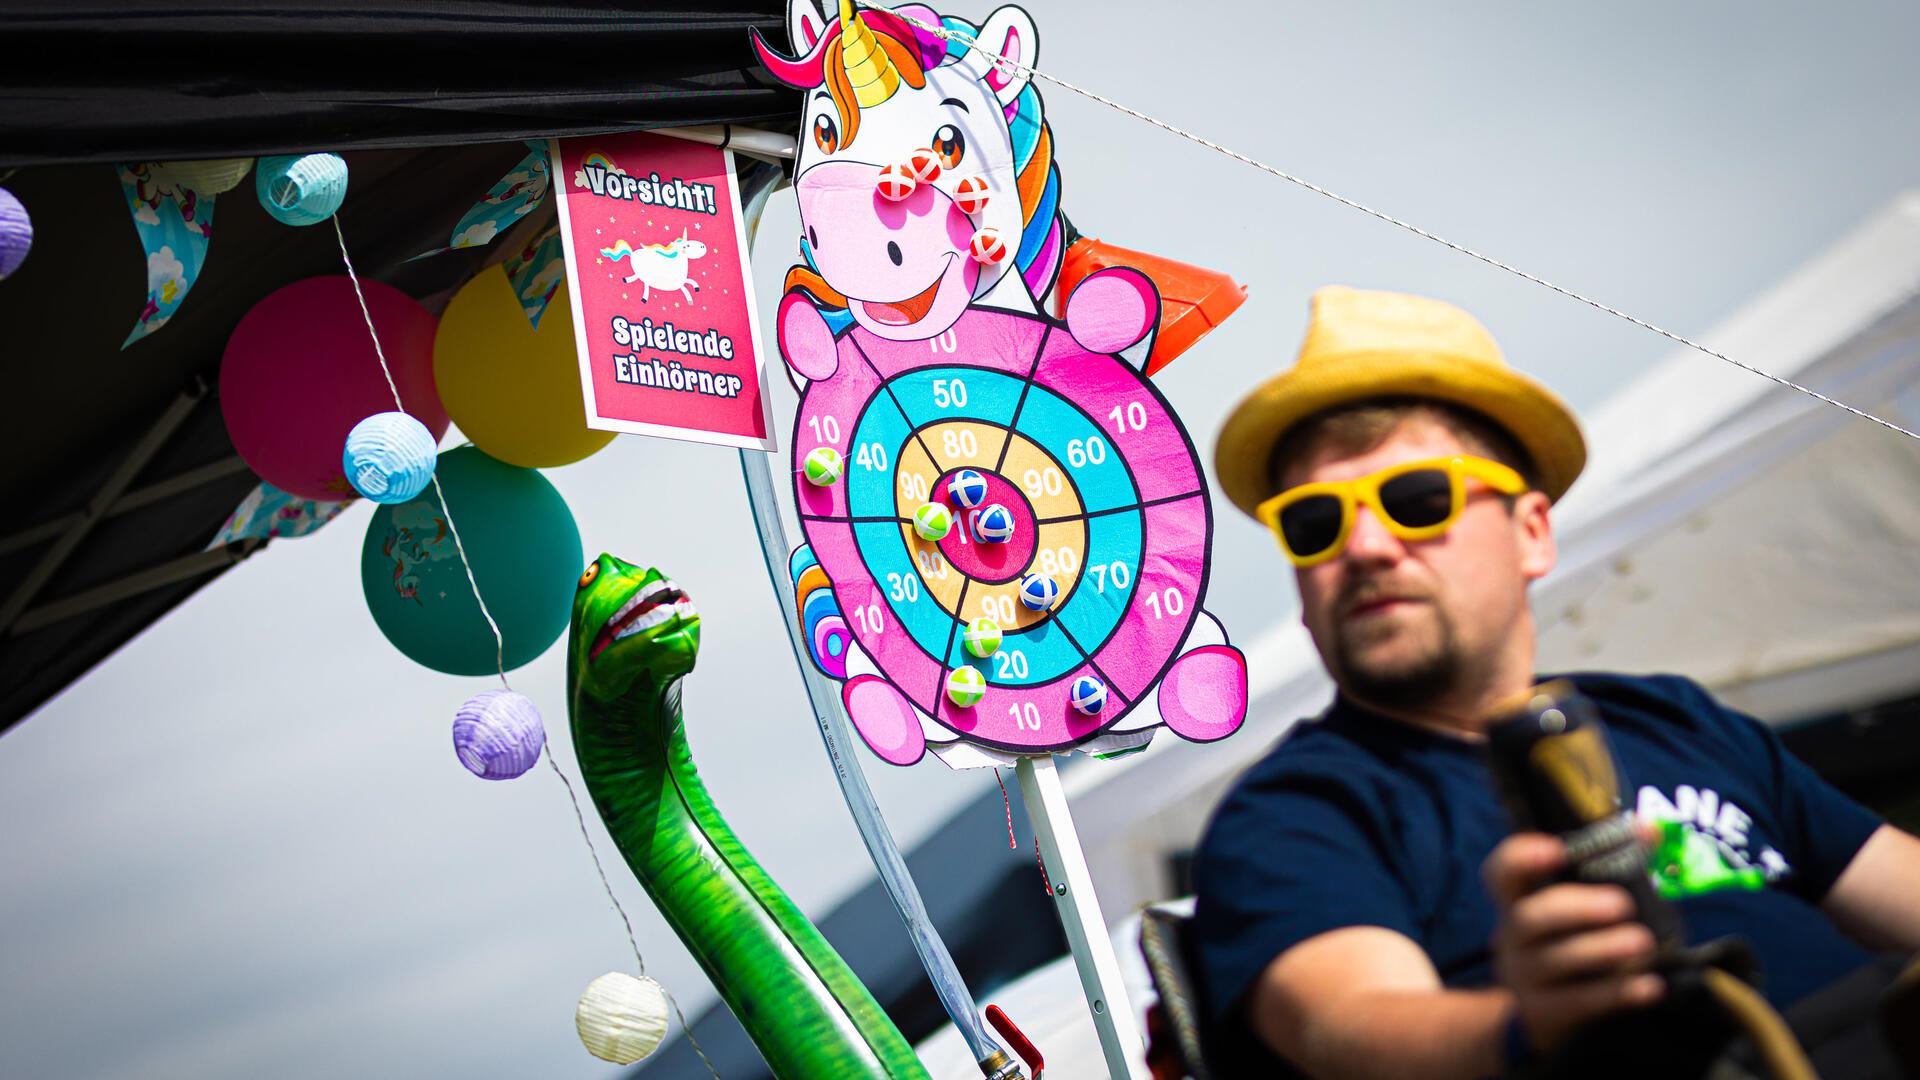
1362,344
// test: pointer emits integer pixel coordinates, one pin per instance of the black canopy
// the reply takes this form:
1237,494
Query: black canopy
118,470
88,80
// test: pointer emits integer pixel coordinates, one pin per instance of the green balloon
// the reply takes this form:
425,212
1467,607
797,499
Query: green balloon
526,556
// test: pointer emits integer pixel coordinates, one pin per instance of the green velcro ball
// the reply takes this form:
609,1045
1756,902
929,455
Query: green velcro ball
966,686
823,466
983,637
933,522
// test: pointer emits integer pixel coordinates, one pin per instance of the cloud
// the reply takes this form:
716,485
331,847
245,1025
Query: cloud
145,214
580,174
476,234
545,279
163,265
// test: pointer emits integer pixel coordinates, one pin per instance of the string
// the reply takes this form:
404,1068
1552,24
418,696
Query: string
1002,62
499,653
687,1030
1007,804
499,642
597,865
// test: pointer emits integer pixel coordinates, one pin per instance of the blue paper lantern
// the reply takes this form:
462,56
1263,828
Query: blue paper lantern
16,233
497,734
525,551
389,457
301,190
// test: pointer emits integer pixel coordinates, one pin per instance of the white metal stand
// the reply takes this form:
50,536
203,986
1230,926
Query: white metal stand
1080,914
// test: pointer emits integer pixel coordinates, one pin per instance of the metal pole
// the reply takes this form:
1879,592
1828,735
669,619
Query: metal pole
939,964
1072,886
98,506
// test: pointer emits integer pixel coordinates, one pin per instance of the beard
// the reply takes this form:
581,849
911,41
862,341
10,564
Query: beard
1423,665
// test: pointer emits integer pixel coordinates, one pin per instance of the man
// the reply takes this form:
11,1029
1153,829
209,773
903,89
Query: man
1362,910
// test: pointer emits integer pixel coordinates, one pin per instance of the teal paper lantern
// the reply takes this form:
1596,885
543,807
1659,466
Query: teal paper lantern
303,190
526,556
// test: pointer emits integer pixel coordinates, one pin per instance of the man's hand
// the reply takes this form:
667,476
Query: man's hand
1570,953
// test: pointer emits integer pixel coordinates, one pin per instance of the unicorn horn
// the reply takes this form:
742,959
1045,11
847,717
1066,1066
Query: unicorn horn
869,69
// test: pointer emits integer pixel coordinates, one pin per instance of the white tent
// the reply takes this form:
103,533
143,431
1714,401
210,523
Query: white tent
1747,535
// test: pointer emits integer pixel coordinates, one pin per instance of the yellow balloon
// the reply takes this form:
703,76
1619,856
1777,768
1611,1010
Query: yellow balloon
513,390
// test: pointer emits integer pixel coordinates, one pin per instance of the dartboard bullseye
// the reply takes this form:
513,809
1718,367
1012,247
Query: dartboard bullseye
1102,495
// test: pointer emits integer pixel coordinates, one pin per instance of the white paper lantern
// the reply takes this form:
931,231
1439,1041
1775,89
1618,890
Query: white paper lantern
214,176
621,1018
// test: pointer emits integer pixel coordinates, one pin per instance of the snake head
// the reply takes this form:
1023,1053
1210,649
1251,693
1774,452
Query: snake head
630,624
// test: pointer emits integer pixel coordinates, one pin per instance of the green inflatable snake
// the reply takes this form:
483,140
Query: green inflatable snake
634,637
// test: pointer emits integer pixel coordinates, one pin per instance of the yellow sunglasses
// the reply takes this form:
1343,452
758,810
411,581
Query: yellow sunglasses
1415,500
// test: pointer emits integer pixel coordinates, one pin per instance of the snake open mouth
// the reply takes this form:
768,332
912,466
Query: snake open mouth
650,606
909,311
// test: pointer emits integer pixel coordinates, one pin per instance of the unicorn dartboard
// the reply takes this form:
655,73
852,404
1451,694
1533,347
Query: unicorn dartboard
1105,498
1002,470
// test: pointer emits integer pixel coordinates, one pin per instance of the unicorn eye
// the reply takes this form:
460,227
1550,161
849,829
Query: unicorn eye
825,135
949,145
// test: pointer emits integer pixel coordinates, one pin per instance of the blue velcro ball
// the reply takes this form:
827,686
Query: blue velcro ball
993,524
301,190
968,488
389,457
1089,695
1038,592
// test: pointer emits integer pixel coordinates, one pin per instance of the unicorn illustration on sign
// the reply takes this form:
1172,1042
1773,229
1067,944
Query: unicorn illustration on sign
660,267
1071,581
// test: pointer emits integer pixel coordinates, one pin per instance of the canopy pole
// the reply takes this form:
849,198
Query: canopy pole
1071,886
98,507
753,142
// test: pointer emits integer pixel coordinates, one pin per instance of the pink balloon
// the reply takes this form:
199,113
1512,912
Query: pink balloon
300,371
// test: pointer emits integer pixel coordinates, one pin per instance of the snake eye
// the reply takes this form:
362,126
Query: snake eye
826,136
586,576
949,145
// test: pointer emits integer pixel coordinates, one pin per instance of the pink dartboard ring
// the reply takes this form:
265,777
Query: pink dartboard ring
1141,557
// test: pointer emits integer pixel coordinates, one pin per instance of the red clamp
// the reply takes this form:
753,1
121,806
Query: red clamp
1022,1045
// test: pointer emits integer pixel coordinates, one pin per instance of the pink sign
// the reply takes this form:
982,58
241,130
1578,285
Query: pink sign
662,289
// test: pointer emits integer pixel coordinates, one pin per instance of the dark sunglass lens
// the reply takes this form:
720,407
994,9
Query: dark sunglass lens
1311,525
1418,499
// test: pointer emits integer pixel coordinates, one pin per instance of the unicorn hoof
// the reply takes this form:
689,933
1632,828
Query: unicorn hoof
885,720
1204,695
806,341
1112,309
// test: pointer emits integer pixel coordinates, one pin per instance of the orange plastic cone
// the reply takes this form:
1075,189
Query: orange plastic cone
1193,299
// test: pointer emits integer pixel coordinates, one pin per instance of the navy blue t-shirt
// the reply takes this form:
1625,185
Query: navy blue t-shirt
1359,820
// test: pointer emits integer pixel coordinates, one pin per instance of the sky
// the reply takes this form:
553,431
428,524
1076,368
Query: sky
242,846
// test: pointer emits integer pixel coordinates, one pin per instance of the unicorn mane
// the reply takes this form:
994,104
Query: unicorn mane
1041,245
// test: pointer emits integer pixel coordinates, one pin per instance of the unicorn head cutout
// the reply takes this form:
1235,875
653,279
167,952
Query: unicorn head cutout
972,217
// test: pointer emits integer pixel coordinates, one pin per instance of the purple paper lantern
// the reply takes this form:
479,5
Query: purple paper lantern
498,734
16,233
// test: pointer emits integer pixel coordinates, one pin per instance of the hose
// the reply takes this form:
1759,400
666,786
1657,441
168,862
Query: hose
1777,1047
